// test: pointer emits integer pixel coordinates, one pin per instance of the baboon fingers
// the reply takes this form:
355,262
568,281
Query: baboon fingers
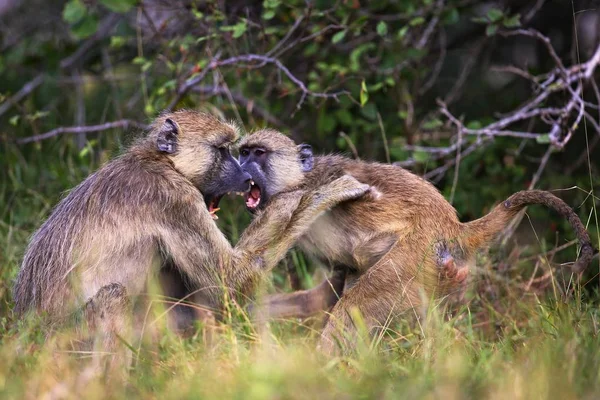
346,188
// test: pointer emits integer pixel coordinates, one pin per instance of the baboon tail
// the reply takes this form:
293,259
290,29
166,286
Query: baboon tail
483,230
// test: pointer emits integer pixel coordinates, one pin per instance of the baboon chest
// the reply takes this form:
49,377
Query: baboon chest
337,239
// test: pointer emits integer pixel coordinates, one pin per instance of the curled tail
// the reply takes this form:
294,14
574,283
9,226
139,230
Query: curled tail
483,230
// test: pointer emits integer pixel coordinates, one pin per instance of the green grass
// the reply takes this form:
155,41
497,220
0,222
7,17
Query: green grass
511,339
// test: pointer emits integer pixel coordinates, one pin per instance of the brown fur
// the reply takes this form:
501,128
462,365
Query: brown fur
145,210
404,246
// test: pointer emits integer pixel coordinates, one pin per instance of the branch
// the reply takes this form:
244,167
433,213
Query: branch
262,61
249,58
124,123
249,105
560,131
24,91
106,25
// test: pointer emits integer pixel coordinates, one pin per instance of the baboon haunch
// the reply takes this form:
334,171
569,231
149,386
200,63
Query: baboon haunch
399,246
153,207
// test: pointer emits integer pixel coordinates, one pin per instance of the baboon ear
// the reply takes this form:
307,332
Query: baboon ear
306,157
167,137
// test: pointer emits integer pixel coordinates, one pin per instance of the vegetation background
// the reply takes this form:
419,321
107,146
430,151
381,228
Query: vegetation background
484,98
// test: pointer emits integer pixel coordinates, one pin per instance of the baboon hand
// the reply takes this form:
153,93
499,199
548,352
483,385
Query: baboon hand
342,189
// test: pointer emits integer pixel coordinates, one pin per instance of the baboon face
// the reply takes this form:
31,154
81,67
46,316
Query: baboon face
275,163
199,147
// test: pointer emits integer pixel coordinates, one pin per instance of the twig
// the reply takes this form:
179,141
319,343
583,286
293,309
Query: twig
536,34
124,123
536,7
263,60
250,105
422,42
350,144
65,63
466,71
440,171
286,37
384,138
457,167
24,91
438,65
84,50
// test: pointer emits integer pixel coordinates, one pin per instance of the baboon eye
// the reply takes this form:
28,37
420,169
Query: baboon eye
244,153
259,152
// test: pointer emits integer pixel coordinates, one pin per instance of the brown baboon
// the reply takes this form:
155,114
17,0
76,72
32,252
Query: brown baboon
399,247
153,208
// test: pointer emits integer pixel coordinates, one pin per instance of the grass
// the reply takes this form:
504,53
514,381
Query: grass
514,338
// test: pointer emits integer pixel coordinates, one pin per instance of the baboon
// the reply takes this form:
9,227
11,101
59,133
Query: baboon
152,208
400,246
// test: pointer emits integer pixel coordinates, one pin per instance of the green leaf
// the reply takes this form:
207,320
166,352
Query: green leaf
74,11
480,20
432,124
119,6
474,125
416,21
495,15
338,37
364,97
240,29
512,22
326,123
269,14
369,111
452,17
138,61
117,42
14,120
402,32
364,94
491,30
421,156
382,28
86,27
543,139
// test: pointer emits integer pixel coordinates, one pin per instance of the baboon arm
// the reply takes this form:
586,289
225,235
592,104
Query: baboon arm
198,247
304,303
289,216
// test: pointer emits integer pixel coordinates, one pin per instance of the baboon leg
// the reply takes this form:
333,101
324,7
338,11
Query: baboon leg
185,308
108,315
304,303
387,290
292,274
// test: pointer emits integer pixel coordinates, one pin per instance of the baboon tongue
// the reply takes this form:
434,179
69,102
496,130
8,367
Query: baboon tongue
213,208
253,198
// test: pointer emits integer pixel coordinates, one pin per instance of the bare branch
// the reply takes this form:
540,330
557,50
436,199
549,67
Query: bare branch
262,60
105,27
559,80
83,51
544,39
22,93
250,105
124,123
